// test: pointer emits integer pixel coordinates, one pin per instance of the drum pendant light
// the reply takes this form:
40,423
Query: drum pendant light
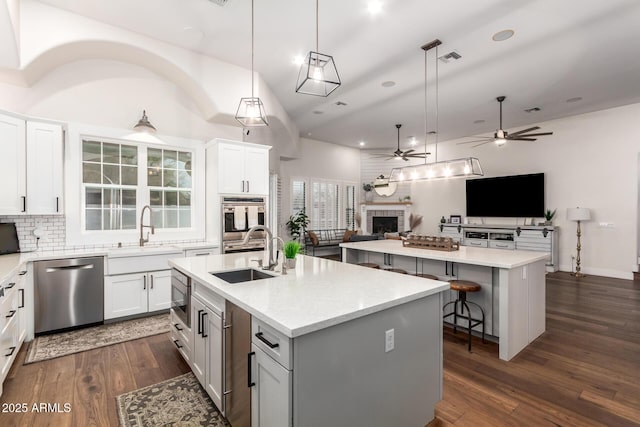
251,110
318,74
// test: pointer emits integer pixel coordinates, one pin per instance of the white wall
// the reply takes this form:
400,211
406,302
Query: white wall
317,159
590,161
372,166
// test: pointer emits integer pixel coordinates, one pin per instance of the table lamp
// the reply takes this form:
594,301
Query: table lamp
578,214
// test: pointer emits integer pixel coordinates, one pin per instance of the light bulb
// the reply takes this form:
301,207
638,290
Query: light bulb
447,171
317,74
414,175
500,142
467,169
401,176
430,173
253,111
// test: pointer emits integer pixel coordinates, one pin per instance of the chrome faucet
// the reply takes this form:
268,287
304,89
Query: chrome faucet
142,226
272,262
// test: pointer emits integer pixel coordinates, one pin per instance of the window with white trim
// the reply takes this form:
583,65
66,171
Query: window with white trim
170,187
328,204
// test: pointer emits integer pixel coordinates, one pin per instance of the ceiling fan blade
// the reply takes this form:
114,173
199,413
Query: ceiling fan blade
408,151
525,130
418,155
476,140
522,139
482,143
536,134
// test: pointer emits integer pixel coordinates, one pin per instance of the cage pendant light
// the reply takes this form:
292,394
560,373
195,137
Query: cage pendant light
318,74
457,168
251,110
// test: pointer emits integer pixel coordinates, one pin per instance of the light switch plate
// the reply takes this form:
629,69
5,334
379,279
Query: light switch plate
389,339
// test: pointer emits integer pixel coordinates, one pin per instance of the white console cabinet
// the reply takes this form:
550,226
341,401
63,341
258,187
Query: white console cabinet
514,237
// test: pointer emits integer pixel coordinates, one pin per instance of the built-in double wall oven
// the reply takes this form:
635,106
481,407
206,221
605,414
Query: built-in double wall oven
239,214
181,296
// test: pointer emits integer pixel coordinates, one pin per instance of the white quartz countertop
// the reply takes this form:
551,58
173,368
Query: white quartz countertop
489,257
317,294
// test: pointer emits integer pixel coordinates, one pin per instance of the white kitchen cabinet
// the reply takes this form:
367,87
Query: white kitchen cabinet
182,337
271,402
44,168
208,353
13,190
129,294
31,159
243,168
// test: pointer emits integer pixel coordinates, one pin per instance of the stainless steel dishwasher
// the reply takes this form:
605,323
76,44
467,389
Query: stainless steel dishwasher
68,293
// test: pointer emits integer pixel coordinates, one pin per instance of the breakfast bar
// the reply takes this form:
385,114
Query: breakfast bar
513,283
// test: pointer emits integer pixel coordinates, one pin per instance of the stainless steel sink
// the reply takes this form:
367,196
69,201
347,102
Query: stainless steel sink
238,276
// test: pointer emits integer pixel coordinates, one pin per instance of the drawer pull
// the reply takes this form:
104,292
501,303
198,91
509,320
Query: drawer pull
176,343
261,337
12,313
177,327
21,298
11,352
22,273
10,285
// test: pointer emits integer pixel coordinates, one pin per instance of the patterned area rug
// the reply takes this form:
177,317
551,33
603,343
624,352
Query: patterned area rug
56,345
179,401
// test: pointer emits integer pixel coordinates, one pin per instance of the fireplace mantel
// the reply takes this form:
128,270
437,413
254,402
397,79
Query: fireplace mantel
370,209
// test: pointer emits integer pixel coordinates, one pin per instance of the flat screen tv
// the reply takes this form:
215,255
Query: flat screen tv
517,196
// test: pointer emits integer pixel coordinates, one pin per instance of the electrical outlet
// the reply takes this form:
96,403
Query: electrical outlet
389,339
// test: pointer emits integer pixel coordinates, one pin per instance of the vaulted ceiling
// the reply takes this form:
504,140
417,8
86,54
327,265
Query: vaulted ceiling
560,51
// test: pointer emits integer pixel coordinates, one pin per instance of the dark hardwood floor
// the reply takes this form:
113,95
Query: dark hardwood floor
583,371
88,381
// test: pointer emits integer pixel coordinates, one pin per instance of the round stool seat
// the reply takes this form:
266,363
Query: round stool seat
428,276
368,264
464,286
396,270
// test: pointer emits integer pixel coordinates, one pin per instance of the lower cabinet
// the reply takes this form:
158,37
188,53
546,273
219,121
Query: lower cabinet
207,360
182,338
271,392
129,294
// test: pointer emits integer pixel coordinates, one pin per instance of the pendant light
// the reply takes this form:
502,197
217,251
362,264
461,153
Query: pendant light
144,125
456,168
251,110
318,74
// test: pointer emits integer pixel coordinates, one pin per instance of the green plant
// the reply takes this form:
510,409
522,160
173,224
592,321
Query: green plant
297,224
291,249
367,186
548,215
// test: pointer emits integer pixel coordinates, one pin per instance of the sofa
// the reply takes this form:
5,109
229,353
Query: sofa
331,238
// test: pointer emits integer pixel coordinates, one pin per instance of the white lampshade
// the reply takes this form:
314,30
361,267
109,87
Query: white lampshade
578,214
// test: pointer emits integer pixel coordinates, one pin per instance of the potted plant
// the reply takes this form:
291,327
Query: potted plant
297,224
548,216
291,249
368,191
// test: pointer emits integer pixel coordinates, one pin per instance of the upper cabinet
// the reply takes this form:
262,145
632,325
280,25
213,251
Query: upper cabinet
243,168
31,156
13,191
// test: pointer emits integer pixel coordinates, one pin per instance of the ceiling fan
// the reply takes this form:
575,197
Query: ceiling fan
501,136
403,155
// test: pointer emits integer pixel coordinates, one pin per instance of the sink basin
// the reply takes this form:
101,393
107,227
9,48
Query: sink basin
238,276
130,251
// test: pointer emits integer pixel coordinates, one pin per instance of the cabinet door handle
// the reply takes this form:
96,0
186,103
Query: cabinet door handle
204,335
21,298
177,327
144,282
12,313
248,187
249,382
261,337
24,203
243,185
200,322
176,343
151,281
57,204
11,352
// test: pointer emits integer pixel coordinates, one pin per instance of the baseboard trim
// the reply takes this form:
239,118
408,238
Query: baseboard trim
603,272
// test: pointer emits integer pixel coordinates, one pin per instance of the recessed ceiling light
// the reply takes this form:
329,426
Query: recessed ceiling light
477,122
362,143
298,60
318,112
374,7
576,99
388,83
503,35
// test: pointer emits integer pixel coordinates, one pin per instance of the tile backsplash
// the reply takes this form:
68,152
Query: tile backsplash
53,228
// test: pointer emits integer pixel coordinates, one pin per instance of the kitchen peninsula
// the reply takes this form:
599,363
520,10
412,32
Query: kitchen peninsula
513,283
332,343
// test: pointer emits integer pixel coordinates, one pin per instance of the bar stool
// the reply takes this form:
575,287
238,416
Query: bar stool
368,264
427,276
464,286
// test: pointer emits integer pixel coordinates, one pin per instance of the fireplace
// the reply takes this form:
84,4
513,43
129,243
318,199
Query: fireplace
399,211
385,224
